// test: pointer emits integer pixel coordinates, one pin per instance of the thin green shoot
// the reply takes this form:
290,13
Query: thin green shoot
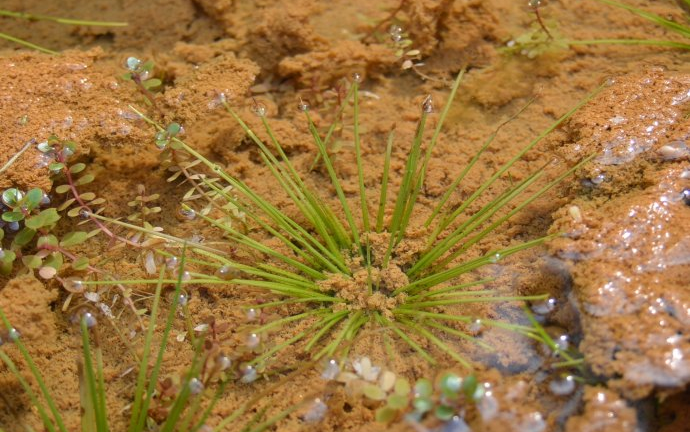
68,21
93,375
673,26
36,374
38,17
139,395
145,401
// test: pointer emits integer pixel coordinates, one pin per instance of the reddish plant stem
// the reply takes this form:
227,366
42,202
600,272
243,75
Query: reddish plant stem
82,205
128,301
145,92
541,23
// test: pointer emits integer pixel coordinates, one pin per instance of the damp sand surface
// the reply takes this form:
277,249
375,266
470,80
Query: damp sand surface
618,274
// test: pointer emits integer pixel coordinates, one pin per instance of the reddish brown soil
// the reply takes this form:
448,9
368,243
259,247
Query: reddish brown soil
619,273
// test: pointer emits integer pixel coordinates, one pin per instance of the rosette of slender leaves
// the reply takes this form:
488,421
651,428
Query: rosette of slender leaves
333,247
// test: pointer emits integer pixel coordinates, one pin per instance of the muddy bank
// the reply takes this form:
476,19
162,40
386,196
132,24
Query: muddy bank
619,273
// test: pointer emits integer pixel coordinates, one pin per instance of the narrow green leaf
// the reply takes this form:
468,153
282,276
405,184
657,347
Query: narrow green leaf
386,414
46,240
24,236
77,168
81,263
62,189
32,261
13,216
85,179
66,204
56,166
373,392
33,198
45,218
74,238
152,83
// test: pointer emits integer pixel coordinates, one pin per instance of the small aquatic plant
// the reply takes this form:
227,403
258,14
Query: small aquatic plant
340,275
170,405
139,72
36,17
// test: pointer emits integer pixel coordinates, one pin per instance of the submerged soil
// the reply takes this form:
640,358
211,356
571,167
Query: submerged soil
618,274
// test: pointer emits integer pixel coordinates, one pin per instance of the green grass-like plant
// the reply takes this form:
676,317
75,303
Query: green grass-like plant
543,36
337,270
36,17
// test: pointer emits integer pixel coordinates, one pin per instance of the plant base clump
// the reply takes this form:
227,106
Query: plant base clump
343,273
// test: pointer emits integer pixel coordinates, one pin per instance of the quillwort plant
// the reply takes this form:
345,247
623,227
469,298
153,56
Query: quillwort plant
341,275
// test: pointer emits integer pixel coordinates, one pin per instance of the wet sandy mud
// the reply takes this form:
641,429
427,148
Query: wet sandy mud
618,273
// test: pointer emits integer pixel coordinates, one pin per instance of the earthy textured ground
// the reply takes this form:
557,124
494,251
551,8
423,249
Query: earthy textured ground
619,273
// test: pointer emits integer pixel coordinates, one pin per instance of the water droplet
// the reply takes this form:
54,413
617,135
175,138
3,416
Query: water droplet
89,319
428,105
248,374
13,334
495,258
533,423
562,387
227,272
172,262
133,63
67,153
545,307
43,160
534,4
317,411
188,213
488,407
73,285
259,109
303,106
331,371
562,342
195,386
456,424
220,100
251,314
685,194
92,296
674,150
598,179
224,362
479,393
476,326
150,263
357,77
182,299
253,340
